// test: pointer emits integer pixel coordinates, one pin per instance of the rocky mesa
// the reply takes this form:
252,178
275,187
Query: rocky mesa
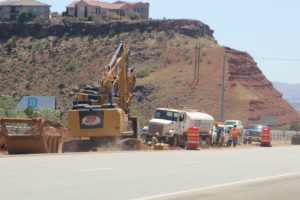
60,59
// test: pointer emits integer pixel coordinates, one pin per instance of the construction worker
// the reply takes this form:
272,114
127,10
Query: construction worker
154,140
234,134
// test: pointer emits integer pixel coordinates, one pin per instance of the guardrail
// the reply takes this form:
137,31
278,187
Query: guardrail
282,135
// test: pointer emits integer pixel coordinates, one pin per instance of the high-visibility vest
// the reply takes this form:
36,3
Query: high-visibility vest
235,132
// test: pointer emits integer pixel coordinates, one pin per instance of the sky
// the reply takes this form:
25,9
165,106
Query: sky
269,30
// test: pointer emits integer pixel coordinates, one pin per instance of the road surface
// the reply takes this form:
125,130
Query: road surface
254,173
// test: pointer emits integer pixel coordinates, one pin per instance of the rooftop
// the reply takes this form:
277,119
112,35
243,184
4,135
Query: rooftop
22,3
112,6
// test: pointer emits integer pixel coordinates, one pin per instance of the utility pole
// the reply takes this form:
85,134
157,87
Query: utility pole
223,88
197,64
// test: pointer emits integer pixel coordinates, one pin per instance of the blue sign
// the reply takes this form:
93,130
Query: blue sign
32,102
37,102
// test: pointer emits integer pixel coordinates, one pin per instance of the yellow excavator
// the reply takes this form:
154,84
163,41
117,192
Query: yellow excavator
101,114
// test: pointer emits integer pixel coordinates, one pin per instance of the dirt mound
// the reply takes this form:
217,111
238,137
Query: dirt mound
55,124
53,127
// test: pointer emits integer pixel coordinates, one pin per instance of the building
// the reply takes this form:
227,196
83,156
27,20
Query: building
87,8
10,9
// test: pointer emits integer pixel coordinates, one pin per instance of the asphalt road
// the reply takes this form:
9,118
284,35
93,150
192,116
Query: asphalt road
255,173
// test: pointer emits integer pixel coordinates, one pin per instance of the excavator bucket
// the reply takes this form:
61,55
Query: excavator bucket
26,136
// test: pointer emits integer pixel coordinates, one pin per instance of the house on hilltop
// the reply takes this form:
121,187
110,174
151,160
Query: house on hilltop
10,9
88,8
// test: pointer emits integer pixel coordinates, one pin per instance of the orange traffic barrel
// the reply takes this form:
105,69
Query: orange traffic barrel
193,138
265,137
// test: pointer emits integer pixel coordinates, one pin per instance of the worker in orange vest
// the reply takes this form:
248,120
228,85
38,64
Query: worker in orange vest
234,134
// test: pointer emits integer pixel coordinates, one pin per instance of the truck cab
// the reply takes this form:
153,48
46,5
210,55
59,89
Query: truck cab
171,125
168,123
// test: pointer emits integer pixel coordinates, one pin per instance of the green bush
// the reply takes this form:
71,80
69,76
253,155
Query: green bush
294,126
47,113
70,20
187,54
143,73
25,16
72,65
7,106
30,113
11,43
134,16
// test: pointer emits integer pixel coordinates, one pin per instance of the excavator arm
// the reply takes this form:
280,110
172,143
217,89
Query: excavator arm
118,80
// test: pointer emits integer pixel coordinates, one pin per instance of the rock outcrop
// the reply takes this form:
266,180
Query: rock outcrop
192,28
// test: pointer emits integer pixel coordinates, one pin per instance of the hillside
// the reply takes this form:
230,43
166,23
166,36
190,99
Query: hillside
290,92
58,60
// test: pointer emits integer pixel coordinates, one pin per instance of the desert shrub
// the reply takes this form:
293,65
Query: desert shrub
70,20
294,126
177,81
143,73
11,43
82,19
38,46
72,65
30,113
47,113
40,21
134,16
97,20
187,54
43,73
112,16
2,67
154,68
25,16
7,106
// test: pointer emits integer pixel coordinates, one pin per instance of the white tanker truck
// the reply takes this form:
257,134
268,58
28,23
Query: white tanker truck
171,125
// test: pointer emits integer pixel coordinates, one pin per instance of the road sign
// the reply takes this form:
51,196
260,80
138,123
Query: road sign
269,120
37,102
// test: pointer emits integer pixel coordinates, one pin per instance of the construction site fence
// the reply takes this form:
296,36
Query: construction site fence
282,135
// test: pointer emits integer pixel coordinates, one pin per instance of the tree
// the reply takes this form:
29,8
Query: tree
294,126
24,16
134,16
7,106
30,113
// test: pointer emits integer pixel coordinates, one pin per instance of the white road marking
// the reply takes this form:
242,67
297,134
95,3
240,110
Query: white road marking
218,186
193,162
93,169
